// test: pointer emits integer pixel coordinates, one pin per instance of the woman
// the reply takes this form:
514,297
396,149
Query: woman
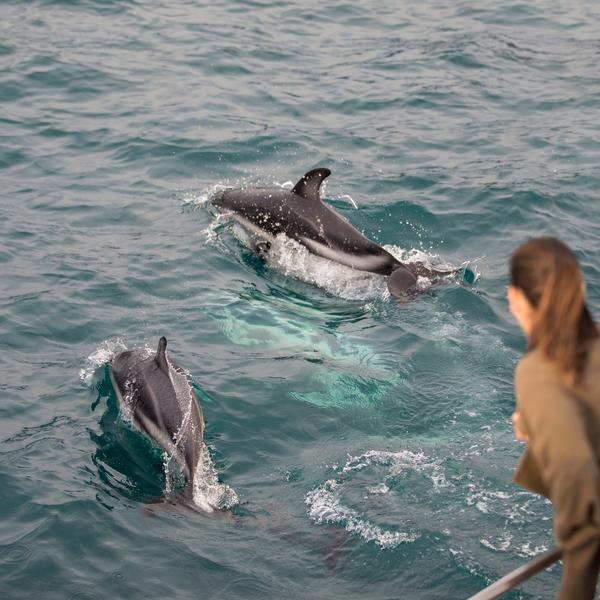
557,386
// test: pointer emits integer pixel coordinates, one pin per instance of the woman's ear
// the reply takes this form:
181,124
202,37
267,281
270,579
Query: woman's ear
512,295
520,308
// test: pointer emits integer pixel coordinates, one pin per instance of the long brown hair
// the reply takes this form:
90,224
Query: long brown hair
547,272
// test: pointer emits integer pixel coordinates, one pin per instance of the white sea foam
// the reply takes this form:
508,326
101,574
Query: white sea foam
167,459
126,406
502,544
325,503
398,462
208,493
527,551
381,488
325,506
483,500
102,355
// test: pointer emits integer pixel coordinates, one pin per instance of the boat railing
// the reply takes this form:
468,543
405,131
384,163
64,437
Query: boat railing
518,576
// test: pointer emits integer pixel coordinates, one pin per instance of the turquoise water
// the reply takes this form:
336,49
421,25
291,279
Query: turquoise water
369,444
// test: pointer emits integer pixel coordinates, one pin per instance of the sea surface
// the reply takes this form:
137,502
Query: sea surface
358,448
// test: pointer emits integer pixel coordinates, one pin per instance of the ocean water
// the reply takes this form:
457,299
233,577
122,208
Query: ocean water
364,448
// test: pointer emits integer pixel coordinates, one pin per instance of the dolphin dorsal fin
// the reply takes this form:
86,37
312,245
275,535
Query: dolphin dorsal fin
161,355
308,187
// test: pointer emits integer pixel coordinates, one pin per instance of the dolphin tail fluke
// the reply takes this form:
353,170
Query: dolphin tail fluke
308,187
161,355
400,281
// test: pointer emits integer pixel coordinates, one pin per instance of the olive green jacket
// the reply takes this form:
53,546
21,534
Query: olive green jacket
562,460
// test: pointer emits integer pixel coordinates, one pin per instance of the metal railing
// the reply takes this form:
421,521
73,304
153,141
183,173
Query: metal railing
514,578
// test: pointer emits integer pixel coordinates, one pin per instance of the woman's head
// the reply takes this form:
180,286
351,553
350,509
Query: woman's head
547,296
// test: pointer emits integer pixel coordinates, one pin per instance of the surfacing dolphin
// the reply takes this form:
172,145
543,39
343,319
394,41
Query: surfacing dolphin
301,215
162,404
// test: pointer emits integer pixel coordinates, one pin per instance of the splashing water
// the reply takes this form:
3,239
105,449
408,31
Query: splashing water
99,357
209,492
345,198
194,200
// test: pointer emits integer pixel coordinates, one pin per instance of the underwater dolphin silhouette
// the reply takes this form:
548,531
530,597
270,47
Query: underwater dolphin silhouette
163,405
301,215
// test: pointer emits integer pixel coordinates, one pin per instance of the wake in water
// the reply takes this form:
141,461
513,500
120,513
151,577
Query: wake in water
329,502
155,396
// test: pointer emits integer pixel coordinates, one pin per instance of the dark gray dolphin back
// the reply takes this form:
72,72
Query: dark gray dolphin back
162,403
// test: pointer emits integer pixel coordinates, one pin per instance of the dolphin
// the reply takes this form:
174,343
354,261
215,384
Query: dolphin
162,404
301,215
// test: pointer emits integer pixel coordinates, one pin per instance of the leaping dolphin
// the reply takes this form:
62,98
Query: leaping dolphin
301,215
162,404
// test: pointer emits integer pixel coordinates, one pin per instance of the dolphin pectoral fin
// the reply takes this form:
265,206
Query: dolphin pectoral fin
400,281
161,357
308,187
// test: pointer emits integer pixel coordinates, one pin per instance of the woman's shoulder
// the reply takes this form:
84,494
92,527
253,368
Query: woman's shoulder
535,364
537,377
592,369
594,351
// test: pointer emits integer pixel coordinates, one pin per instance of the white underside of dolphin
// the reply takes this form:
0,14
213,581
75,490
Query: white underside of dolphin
355,261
